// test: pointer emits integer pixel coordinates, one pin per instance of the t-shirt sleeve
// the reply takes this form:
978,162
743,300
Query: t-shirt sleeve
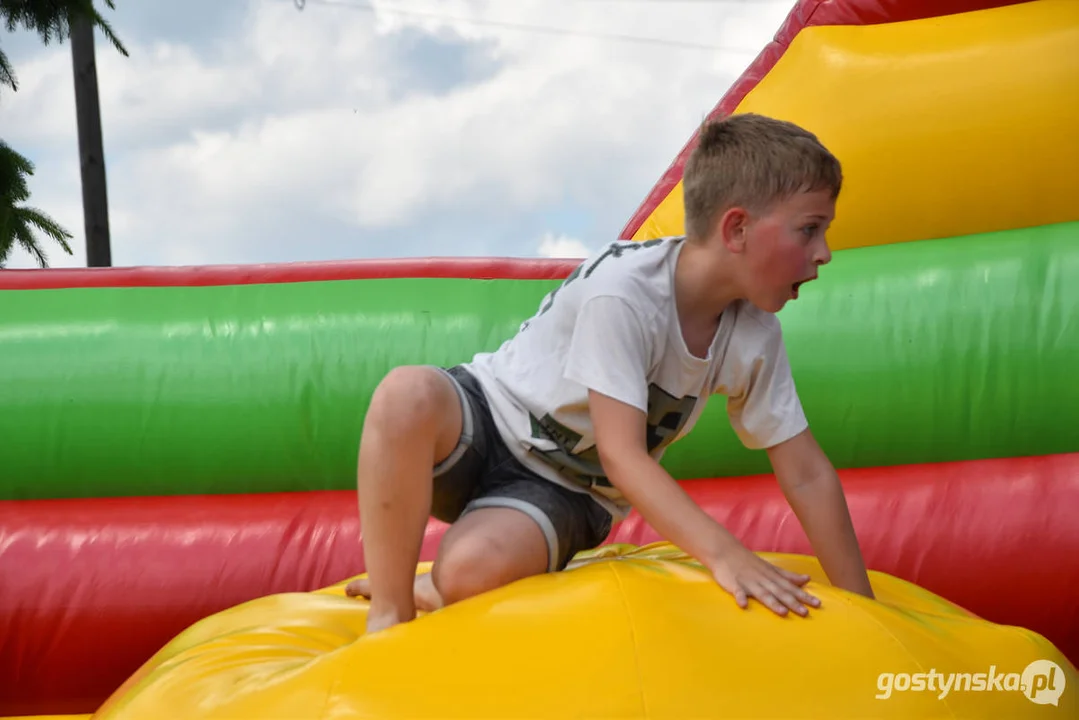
767,411
610,351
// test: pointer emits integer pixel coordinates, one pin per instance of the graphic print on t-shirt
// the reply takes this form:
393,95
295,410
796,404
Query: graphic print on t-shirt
615,249
667,415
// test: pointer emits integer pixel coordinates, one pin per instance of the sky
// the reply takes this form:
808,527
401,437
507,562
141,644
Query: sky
260,131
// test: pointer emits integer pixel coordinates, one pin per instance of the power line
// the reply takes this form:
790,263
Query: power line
367,7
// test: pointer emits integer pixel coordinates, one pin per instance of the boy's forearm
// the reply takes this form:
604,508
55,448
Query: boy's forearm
821,508
812,488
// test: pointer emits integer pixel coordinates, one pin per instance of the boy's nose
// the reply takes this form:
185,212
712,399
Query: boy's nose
823,255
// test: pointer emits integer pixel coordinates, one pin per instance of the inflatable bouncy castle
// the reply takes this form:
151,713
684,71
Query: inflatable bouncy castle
178,512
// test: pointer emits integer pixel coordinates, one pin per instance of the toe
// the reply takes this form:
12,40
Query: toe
359,587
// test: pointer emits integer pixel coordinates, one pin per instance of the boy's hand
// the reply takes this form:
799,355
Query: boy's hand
744,574
667,507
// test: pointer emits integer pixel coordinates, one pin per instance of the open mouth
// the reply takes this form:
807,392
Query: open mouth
797,285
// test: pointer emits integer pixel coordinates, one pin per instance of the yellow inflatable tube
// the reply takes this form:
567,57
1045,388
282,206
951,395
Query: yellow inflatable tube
946,126
624,632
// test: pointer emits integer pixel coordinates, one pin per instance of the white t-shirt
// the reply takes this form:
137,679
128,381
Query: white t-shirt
612,326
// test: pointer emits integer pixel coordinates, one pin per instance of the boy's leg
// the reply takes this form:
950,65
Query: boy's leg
426,449
520,526
485,549
414,421
514,524
505,537
506,524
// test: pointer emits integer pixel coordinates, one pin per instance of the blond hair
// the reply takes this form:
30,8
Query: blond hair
752,161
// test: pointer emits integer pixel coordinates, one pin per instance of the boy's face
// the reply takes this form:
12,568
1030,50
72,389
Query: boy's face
784,248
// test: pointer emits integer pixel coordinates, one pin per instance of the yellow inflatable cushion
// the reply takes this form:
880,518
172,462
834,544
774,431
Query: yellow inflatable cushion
624,632
946,126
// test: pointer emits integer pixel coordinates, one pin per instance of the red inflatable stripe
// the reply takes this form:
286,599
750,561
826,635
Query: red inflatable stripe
202,275
91,588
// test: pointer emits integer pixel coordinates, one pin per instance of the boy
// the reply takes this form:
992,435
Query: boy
531,451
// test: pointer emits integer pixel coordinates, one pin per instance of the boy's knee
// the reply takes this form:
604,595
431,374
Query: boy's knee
408,396
477,563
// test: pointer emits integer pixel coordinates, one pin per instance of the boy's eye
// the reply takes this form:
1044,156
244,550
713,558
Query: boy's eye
810,229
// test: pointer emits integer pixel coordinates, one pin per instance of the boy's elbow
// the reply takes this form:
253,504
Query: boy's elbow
624,464
616,461
799,462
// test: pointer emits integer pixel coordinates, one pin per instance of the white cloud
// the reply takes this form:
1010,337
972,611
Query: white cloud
304,136
561,246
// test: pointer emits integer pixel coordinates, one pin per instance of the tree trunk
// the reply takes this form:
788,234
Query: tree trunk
95,206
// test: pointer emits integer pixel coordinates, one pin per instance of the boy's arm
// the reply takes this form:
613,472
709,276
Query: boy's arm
812,488
620,440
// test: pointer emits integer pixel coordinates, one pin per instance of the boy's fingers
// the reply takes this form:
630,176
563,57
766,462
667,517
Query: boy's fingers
785,594
804,597
807,598
769,601
796,578
796,583
768,596
792,602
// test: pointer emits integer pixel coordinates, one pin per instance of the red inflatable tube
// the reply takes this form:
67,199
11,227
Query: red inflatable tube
367,269
89,589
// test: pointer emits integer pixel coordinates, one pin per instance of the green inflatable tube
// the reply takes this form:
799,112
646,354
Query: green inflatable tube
937,350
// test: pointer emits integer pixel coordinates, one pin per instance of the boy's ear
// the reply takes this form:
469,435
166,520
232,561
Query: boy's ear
731,229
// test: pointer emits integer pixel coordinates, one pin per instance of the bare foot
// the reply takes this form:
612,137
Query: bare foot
426,596
360,587
382,620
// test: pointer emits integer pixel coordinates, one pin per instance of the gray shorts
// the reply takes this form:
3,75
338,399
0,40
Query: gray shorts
482,472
